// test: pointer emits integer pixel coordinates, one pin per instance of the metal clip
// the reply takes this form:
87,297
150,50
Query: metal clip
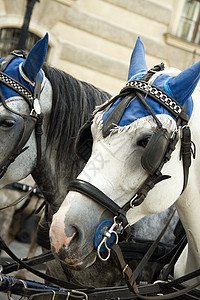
132,201
17,281
107,236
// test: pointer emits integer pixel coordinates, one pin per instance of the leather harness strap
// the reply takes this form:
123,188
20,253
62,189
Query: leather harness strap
115,116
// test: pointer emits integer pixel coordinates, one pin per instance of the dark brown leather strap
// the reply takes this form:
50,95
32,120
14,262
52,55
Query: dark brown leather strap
186,152
152,248
127,273
116,115
33,261
177,252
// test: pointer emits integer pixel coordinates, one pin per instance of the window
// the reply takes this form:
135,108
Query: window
9,38
189,27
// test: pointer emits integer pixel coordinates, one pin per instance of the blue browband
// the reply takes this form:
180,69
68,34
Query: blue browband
136,110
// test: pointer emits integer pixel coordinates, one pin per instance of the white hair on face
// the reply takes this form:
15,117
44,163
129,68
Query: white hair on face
166,120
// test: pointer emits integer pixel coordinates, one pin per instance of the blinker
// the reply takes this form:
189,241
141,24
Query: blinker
155,150
84,141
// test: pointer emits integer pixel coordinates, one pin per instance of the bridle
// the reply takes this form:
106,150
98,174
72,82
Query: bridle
159,148
157,152
32,121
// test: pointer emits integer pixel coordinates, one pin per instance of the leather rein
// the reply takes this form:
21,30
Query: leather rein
32,121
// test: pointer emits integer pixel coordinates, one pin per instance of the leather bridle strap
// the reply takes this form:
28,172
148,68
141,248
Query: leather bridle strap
186,152
29,125
89,190
98,196
158,95
142,192
32,121
6,60
129,275
33,261
20,199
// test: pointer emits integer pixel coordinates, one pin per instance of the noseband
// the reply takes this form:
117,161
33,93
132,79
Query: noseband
32,121
157,152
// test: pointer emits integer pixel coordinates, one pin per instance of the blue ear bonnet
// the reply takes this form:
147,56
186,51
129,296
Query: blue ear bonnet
136,110
13,71
25,70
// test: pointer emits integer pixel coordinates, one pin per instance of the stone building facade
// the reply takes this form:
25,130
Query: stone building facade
93,39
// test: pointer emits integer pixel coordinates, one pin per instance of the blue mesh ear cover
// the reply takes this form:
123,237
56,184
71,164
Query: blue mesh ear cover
32,65
30,68
137,61
179,87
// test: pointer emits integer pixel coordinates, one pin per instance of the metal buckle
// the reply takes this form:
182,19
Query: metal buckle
77,293
19,53
107,235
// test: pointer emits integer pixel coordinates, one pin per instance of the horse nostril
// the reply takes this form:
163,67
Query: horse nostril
76,235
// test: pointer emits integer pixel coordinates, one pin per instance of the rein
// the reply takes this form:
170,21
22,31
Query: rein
29,192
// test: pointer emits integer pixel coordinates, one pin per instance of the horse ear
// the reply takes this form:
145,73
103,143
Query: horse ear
35,59
137,62
183,85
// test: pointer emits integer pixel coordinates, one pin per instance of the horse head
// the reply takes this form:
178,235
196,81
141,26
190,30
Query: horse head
134,165
21,82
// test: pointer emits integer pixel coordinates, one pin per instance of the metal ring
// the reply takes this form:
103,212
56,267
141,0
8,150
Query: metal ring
68,295
54,295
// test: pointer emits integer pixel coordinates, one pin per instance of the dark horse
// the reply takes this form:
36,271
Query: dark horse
66,103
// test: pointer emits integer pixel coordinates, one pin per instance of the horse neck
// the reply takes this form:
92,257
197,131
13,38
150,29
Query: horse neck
63,118
51,181
188,207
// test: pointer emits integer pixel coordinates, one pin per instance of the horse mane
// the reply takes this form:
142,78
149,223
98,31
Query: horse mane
73,102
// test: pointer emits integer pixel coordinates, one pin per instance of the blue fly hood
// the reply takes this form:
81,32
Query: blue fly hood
179,87
25,70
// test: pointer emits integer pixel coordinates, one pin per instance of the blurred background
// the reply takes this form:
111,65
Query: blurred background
93,39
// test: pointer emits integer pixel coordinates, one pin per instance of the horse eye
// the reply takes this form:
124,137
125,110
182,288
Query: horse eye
143,142
7,123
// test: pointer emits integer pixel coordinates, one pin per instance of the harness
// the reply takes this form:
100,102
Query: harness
32,121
